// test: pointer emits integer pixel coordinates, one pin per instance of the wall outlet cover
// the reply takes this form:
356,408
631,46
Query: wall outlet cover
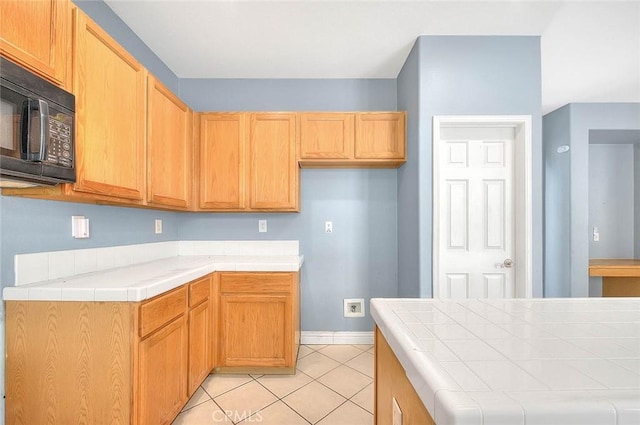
354,307
262,226
397,413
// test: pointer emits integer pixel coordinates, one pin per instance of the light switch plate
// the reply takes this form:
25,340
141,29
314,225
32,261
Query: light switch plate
79,227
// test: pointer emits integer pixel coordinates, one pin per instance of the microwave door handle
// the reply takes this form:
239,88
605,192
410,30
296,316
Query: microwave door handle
31,139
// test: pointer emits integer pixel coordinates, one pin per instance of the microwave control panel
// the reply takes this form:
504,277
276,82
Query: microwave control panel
60,146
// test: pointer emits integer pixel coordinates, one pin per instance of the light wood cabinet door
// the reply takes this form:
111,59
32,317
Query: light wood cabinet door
258,320
273,168
255,330
36,35
380,135
199,343
162,374
222,161
169,147
110,113
326,135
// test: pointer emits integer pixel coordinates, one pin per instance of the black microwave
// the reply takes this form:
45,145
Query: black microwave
36,130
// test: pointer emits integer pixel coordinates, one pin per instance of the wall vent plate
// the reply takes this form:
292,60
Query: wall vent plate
354,307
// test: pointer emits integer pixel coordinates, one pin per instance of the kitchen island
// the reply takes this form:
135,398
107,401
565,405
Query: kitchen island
620,277
545,361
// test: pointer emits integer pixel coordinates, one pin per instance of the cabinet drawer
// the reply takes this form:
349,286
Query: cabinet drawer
162,309
199,291
256,282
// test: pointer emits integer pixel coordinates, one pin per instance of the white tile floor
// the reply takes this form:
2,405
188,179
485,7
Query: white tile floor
333,385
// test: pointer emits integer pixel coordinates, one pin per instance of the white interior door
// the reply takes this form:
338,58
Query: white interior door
476,234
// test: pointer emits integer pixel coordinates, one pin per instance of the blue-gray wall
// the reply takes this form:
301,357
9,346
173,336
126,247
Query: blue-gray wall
575,120
359,259
611,200
32,225
636,187
557,208
288,95
471,75
409,90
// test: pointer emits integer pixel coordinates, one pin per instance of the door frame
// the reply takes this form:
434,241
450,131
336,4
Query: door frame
523,208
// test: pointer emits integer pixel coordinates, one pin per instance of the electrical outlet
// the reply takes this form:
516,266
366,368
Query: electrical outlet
328,227
397,413
262,226
354,307
158,226
596,234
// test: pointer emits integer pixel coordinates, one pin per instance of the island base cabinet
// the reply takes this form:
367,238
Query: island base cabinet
391,383
68,363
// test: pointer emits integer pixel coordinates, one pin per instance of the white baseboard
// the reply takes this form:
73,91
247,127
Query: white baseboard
328,338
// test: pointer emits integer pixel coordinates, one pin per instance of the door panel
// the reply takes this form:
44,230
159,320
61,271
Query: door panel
110,99
222,161
476,213
163,374
169,147
273,181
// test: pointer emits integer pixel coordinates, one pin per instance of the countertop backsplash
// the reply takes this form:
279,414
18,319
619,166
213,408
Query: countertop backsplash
44,266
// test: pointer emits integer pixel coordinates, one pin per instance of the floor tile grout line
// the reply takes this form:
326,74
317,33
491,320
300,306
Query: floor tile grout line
316,379
333,410
229,390
322,383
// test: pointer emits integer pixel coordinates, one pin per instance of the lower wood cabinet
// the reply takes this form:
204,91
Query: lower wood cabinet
162,372
107,362
76,362
259,319
200,333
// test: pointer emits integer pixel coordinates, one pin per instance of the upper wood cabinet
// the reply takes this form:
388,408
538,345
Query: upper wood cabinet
273,172
247,162
327,135
36,35
380,135
110,112
169,147
361,139
222,161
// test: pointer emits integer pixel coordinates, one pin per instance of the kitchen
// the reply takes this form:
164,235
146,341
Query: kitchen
373,249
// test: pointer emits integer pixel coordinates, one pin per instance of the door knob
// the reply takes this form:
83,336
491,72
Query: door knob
508,263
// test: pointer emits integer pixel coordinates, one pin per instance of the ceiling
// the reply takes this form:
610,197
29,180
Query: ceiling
590,50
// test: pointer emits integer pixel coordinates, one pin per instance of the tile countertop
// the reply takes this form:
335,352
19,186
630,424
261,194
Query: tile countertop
543,361
142,281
